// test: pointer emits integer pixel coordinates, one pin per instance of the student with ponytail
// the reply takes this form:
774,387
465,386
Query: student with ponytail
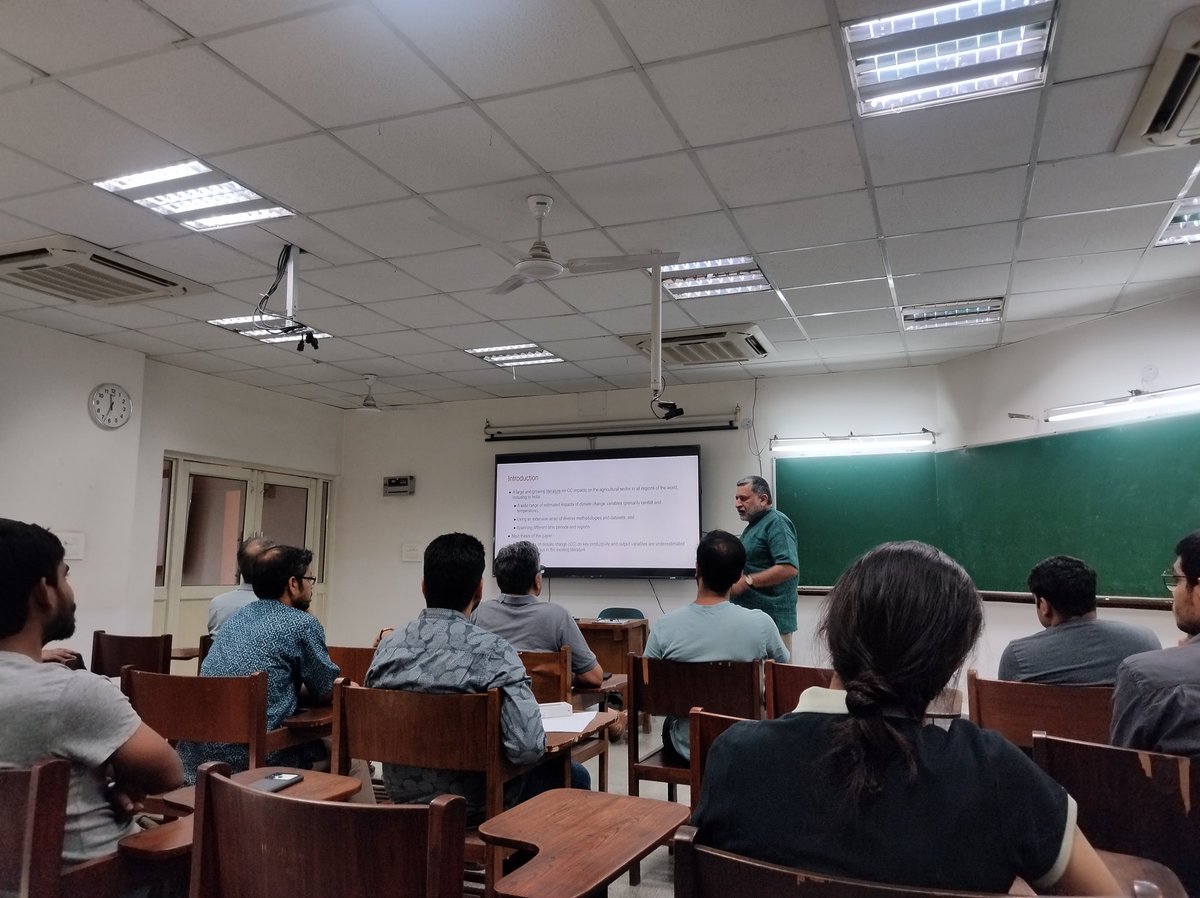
853,783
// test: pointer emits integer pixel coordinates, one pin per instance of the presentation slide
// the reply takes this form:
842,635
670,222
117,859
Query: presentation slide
614,513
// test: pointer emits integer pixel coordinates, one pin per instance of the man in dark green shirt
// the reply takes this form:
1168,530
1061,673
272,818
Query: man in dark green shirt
772,557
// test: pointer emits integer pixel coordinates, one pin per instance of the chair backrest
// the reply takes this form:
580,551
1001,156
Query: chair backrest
206,642
1133,802
703,729
422,729
202,709
354,661
675,687
620,614
33,809
549,674
704,872
249,842
785,682
1015,710
111,652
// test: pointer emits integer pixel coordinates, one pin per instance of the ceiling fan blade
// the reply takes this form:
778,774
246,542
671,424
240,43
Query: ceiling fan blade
510,285
596,264
482,239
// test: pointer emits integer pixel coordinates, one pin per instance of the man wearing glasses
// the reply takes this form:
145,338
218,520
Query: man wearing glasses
1156,704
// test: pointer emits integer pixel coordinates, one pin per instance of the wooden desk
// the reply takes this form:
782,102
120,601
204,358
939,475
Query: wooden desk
611,642
1125,868
585,696
310,718
947,705
175,838
187,653
583,840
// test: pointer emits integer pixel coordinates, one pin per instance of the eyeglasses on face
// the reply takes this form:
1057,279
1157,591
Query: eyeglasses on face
1170,578
309,579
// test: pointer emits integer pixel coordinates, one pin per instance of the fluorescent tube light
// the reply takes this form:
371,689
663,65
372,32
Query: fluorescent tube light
198,198
216,222
154,176
488,350
1173,401
514,355
948,52
1184,224
292,337
855,444
715,277
952,314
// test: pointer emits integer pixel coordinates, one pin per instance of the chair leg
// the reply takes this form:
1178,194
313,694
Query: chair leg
672,792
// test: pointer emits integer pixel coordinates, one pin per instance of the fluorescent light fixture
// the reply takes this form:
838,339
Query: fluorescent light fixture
1139,402
1184,224
610,427
949,52
715,277
514,355
194,187
855,444
730,262
292,337
952,314
269,328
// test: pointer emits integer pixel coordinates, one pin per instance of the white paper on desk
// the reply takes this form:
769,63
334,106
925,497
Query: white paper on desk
576,723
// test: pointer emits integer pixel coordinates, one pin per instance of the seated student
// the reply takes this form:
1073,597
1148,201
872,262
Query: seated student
853,784
712,628
1075,649
442,651
227,604
50,711
1156,703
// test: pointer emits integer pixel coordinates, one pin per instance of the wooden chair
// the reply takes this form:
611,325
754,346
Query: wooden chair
704,872
785,682
436,730
1134,802
111,652
703,728
249,842
620,614
1015,710
206,642
354,661
550,677
33,807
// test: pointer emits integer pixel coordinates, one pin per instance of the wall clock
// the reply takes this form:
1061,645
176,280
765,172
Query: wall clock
110,406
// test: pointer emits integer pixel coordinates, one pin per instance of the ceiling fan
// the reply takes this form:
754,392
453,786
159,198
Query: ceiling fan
538,264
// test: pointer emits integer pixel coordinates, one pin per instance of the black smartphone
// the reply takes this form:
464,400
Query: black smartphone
607,674
273,782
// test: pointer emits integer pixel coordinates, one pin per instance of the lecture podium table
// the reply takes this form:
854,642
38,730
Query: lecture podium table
581,840
611,641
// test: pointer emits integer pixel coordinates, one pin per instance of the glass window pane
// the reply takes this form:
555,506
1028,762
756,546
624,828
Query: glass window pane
216,510
164,520
323,523
285,514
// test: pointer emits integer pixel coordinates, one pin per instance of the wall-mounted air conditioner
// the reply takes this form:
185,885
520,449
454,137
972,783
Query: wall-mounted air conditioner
1166,114
75,270
708,345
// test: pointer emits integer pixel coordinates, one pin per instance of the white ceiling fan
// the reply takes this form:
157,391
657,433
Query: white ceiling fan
538,264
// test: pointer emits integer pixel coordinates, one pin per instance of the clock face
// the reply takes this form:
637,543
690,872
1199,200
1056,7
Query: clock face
110,406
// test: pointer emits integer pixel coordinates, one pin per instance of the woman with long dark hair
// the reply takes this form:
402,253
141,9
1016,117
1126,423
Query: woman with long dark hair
852,783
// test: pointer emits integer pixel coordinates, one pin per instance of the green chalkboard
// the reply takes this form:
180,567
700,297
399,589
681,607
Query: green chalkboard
1118,497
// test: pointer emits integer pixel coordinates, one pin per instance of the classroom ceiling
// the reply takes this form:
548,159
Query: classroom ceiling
705,127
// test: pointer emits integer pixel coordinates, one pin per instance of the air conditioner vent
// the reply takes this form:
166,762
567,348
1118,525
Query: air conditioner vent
707,345
74,270
1167,113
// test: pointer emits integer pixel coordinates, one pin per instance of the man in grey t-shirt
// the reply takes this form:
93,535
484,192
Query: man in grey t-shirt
50,711
1075,648
227,604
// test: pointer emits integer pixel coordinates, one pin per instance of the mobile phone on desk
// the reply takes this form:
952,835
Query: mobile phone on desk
273,782
607,674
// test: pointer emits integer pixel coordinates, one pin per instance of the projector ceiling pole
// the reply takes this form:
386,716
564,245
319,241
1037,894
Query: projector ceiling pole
289,283
656,384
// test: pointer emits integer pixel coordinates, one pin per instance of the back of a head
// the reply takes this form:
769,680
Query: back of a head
516,567
247,556
899,623
720,560
454,564
1188,552
1067,583
28,553
276,566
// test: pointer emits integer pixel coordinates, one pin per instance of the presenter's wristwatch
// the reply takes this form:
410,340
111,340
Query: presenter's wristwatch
749,580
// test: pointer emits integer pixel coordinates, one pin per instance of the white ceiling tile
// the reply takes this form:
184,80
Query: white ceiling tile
1087,116
380,366
952,202
585,123
937,356
62,320
200,361
530,301
1164,263
756,90
558,327
471,336
438,150
871,344
20,175
803,223
646,190
199,335
1136,295
792,351
1097,36
254,241
314,371
475,42
824,264
637,381
1103,182
1023,330
149,346
790,166
708,235
132,315
309,174
315,392
949,286
1092,232
793,369
669,28
422,381
260,377
614,290
581,385
347,321
493,376
855,296
636,319
395,228
214,16
984,134
55,35
979,245
197,257
470,268
1096,270
850,324
304,62
12,304
781,330
452,360
705,374
316,239
204,306
617,366
517,388
334,350
456,394
259,355
949,337
367,282
554,373
63,130
734,309
92,214
1060,303
13,72
13,229
501,211
402,344
192,99
250,291
428,311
